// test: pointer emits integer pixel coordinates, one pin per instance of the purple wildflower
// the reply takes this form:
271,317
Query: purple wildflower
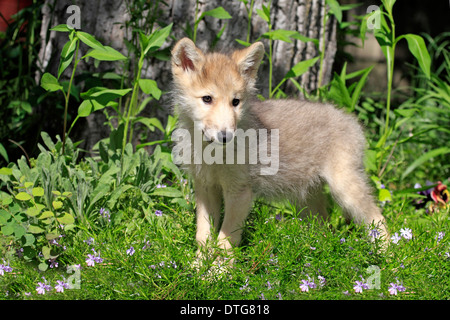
374,233
395,238
406,233
158,213
306,284
61,286
130,251
395,288
360,285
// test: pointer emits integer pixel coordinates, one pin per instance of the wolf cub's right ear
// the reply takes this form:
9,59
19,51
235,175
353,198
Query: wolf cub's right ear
186,55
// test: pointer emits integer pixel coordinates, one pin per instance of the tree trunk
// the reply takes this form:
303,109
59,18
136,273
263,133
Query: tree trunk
105,19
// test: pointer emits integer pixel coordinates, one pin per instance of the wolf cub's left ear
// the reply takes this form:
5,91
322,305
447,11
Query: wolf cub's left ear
186,55
249,59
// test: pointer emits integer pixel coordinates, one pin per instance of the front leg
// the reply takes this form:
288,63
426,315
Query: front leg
209,200
237,207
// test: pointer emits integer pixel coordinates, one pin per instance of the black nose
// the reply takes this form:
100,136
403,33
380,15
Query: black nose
224,136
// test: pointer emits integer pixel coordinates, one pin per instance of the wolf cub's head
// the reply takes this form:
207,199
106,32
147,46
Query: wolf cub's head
212,88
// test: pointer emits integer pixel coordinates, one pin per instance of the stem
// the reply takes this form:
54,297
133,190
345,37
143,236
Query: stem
249,22
132,102
66,106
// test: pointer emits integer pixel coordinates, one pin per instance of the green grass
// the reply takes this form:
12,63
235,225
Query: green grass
275,256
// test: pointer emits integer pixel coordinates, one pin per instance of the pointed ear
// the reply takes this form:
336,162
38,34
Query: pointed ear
186,55
249,59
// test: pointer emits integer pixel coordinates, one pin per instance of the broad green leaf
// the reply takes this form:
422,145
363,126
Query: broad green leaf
105,54
8,229
66,218
149,86
37,192
419,50
35,229
67,55
301,67
218,13
263,15
19,231
388,4
89,40
424,158
335,9
384,195
157,39
35,210
6,171
23,196
57,205
46,252
151,123
50,83
61,28
167,192
28,240
46,215
89,106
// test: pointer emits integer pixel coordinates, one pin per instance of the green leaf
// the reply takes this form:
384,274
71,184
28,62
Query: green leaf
61,28
157,39
89,40
105,54
300,68
35,229
67,55
34,211
46,252
50,83
4,154
218,13
66,218
263,15
46,215
335,9
149,86
384,195
151,123
6,171
8,229
37,192
388,4
89,106
57,205
28,240
167,192
23,196
424,158
417,47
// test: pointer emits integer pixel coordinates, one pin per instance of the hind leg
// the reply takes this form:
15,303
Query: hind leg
316,204
350,189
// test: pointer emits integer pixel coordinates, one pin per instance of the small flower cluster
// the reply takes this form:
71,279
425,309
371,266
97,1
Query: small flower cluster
105,214
4,268
92,259
395,288
360,286
44,287
405,233
305,285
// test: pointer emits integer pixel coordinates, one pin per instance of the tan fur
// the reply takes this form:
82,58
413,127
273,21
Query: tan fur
317,144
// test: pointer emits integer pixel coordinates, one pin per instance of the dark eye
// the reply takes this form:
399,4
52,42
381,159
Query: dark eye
207,99
235,102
